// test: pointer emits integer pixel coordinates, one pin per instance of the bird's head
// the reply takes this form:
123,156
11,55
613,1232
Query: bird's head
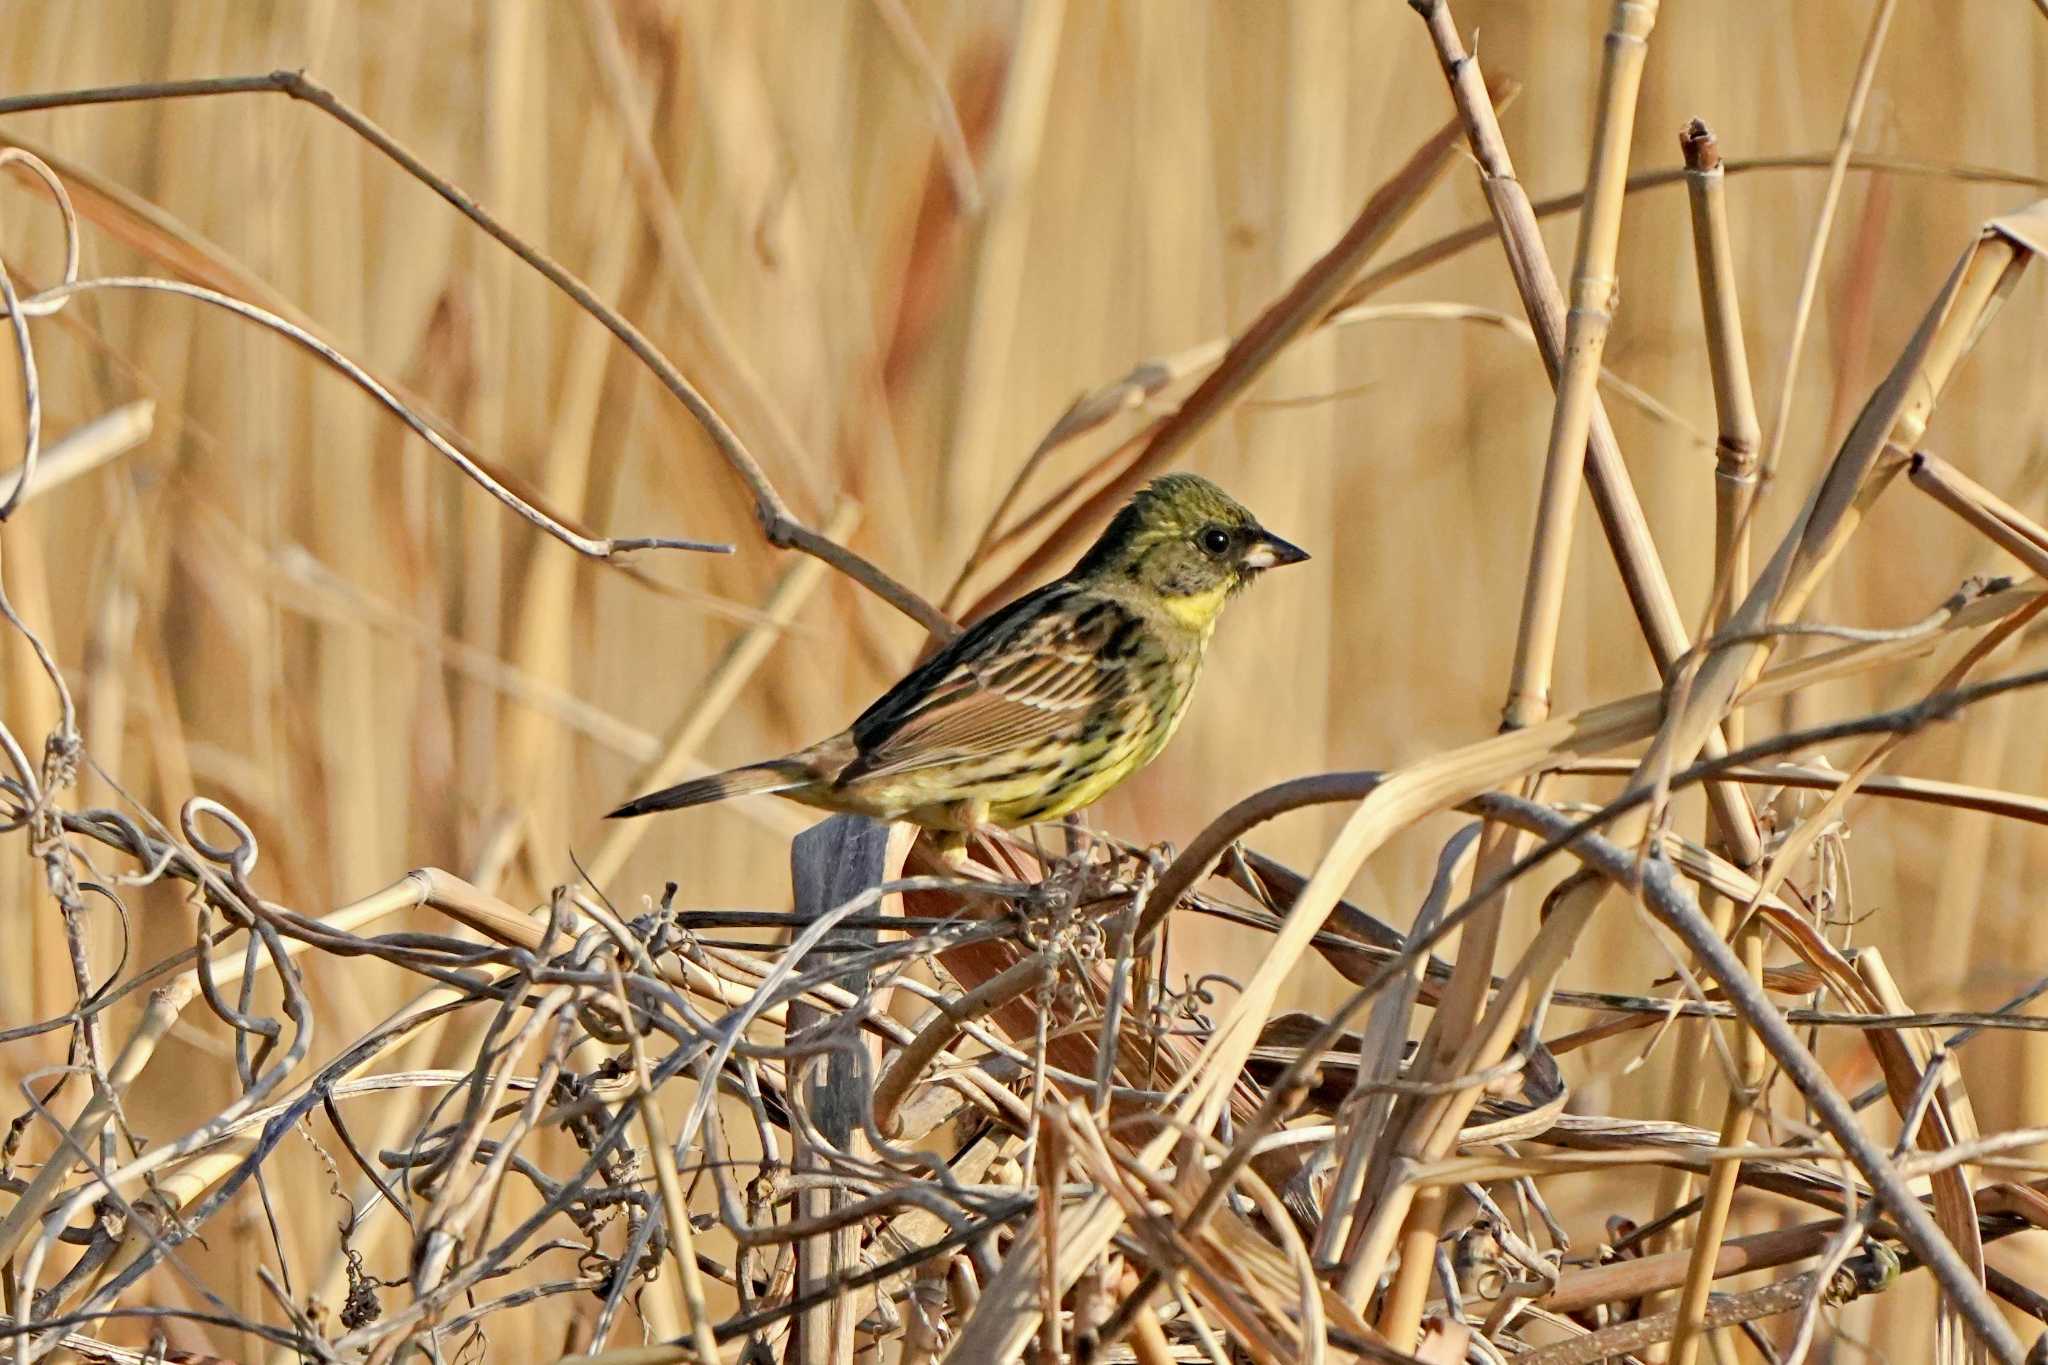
1185,543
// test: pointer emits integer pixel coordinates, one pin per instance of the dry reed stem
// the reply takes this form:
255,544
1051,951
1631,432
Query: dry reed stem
1711,1226
86,449
1389,803
2010,805
1738,431
1780,1296
1735,486
1985,273
1588,319
2004,525
1559,743
1621,514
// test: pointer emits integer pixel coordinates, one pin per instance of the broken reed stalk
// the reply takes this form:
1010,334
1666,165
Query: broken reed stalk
2000,522
1515,222
1735,485
1738,431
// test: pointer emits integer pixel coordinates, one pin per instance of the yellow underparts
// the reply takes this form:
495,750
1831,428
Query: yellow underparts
1085,792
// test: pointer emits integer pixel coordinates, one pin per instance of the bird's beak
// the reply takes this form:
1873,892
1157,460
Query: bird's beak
1269,552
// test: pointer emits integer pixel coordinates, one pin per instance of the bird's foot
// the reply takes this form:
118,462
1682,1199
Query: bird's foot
952,849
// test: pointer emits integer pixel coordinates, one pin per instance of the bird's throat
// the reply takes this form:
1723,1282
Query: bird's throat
1197,611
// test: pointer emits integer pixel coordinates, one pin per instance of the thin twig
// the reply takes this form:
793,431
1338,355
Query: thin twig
779,526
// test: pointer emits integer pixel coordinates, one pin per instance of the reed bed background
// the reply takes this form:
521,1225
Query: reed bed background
892,243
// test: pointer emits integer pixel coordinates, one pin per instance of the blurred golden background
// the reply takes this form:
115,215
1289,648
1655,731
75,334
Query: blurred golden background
284,600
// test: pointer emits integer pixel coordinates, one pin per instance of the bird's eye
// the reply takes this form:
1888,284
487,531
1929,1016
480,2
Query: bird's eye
1215,541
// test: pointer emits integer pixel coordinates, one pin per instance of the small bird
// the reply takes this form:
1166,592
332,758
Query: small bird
1044,706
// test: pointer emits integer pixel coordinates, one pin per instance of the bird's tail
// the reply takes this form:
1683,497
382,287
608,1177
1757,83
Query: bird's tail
778,776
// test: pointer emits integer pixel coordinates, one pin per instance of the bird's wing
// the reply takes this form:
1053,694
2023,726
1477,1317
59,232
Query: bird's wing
1033,671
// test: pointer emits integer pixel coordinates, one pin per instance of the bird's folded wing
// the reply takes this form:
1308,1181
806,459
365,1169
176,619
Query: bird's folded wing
1035,680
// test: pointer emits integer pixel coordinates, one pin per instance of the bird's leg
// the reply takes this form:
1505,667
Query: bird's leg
951,845
969,817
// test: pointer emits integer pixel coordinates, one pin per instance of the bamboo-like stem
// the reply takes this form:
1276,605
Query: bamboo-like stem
1737,436
1735,483
1588,319
1712,1224
1614,496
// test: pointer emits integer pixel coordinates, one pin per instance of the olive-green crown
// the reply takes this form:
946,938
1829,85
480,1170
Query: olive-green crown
1171,507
